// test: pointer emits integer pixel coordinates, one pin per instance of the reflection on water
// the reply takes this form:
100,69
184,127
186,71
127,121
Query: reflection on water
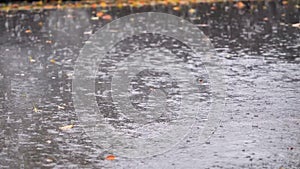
258,45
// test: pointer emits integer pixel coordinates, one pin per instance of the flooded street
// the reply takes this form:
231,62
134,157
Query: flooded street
155,97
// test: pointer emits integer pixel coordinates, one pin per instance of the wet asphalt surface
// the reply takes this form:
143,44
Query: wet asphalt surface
260,125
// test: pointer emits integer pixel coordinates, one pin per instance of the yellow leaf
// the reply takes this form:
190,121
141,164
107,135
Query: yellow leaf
135,4
119,5
103,4
52,61
39,3
192,11
40,23
66,127
173,2
31,60
35,109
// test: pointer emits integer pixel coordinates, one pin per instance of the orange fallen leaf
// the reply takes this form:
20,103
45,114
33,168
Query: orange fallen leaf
285,2
110,157
15,5
58,6
135,4
106,17
165,2
27,7
28,31
100,14
49,7
78,5
240,5
176,8
183,2
94,6
213,8
40,23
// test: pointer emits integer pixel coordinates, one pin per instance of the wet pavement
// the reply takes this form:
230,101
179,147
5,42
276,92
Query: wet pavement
260,125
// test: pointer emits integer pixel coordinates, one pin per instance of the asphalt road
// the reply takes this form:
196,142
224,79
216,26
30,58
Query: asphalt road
259,126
